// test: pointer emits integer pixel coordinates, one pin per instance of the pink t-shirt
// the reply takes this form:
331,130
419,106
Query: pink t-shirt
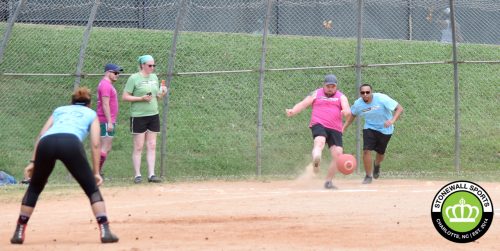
106,89
327,110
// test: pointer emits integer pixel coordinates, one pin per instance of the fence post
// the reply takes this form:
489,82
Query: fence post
171,60
409,8
85,42
8,29
262,69
456,89
359,48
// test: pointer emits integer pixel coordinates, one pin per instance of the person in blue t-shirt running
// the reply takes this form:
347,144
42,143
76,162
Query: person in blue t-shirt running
380,113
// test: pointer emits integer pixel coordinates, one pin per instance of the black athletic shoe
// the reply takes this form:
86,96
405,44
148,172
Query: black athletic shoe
367,180
106,235
376,170
18,237
329,185
154,179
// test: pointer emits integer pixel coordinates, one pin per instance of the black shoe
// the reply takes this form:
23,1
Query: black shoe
18,237
154,179
376,170
26,181
106,235
367,180
329,185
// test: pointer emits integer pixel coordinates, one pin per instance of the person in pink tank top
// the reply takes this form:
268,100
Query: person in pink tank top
107,109
329,105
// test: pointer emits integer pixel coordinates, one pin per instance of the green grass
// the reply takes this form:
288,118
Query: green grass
212,119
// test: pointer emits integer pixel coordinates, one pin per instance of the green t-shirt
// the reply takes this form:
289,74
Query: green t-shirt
138,86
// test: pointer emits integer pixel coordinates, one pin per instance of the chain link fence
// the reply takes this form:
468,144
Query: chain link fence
233,67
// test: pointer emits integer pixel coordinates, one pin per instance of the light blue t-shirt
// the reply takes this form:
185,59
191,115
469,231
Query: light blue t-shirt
73,119
376,112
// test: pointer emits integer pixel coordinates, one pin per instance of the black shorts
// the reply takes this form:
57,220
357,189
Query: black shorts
375,140
333,137
143,124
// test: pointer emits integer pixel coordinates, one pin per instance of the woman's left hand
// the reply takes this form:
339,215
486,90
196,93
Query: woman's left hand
98,179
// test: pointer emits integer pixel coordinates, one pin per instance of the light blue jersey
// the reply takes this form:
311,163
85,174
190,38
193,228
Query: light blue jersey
73,119
376,112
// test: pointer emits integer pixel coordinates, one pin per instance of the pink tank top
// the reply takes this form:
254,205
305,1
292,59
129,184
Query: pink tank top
327,110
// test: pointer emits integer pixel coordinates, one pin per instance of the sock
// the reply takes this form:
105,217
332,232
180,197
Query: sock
101,160
101,219
23,219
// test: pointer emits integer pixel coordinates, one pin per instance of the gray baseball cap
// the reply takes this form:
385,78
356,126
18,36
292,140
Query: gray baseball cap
330,79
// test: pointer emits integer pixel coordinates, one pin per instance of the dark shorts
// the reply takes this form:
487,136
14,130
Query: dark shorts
104,130
375,141
333,137
143,124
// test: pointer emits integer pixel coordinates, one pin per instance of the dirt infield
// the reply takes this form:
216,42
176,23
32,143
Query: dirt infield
252,215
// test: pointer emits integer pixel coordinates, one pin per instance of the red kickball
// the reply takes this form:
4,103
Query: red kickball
346,163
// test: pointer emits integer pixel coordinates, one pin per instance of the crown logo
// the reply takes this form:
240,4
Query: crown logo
462,212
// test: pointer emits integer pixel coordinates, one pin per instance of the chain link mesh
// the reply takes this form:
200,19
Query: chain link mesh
213,103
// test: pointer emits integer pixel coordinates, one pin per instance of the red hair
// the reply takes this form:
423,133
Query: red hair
81,96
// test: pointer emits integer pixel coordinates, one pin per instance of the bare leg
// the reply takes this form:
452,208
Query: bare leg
106,143
335,151
319,144
367,162
379,158
151,152
26,210
99,208
137,152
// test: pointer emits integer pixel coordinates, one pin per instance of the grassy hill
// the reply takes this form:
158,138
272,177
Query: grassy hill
212,119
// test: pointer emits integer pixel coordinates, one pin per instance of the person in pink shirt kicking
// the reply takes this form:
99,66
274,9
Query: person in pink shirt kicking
107,109
328,107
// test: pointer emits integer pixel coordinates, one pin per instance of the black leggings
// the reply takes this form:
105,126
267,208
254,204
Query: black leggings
69,150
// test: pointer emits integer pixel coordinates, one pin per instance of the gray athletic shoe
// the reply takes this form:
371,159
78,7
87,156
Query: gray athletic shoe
106,235
367,180
329,185
376,170
137,179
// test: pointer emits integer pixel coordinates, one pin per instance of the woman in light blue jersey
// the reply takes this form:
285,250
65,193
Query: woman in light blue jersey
61,139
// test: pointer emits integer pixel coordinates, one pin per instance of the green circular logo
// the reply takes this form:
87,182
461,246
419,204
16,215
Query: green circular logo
462,211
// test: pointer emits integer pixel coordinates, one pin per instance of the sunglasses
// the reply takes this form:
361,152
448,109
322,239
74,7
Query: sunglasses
115,72
363,93
151,65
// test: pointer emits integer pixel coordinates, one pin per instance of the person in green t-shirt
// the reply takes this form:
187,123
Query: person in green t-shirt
140,90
